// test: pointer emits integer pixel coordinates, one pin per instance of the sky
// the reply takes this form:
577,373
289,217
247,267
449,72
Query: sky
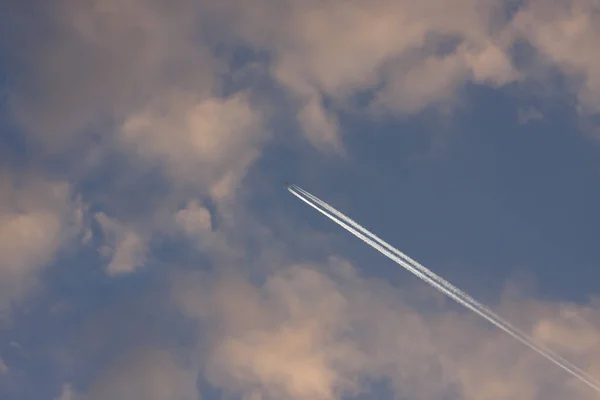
149,251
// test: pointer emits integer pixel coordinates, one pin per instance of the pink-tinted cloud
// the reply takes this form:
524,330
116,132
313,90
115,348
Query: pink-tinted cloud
325,332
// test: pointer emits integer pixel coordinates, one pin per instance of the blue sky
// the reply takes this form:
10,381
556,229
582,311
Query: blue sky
149,251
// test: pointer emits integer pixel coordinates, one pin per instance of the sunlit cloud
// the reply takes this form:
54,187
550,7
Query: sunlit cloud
144,143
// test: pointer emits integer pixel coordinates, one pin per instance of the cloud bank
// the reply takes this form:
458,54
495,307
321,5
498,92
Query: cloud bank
191,93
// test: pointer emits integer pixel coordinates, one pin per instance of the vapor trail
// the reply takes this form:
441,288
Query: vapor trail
420,267
489,314
439,283
465,296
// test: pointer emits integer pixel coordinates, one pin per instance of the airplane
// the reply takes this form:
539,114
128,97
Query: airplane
287,185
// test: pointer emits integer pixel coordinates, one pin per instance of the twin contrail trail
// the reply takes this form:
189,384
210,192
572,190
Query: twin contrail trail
439,283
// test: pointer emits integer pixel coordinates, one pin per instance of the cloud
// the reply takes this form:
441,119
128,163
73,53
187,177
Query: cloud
105,62
67,393
571,328
125,248
296,347
411,56
148,64
208,142
100,60
37,218
194,219
149,375
141,77
144,374
147,80
321,126
3,367
527,115
564,33
327,332
408,58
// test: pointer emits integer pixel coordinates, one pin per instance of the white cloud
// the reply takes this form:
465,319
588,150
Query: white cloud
194,219
125,248
339,48
147,68
566,33
571,328
102,60
321,333
296,345
195,222
527,115
147,374
3,367
427,82
321,126
67,393
114,65
414,56
207,142
37,218
491,65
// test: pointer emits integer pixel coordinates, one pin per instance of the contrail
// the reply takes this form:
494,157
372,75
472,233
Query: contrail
420,267
439,283
466,298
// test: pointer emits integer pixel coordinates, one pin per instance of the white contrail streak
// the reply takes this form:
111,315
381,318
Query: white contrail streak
439,283
420,267
466,297
489,315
